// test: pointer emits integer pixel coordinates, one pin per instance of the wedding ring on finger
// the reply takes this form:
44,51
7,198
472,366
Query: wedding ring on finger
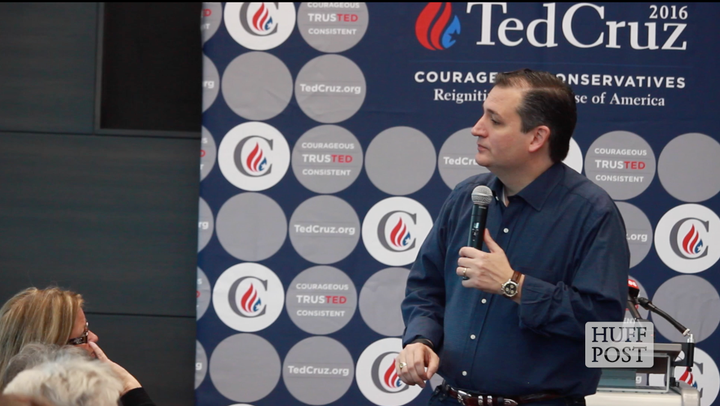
464,271
402,365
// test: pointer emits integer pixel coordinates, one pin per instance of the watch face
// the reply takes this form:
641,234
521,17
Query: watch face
509,288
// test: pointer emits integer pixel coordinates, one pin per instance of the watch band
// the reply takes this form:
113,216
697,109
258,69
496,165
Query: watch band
512,286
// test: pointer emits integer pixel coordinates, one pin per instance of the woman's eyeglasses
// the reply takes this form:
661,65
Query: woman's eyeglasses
83,339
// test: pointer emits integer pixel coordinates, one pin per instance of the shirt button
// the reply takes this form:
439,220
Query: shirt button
464,373
472,336
483,301
505,230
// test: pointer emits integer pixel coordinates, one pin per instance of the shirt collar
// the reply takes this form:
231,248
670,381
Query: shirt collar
538,191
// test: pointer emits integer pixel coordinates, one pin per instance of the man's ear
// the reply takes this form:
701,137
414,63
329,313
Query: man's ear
540,137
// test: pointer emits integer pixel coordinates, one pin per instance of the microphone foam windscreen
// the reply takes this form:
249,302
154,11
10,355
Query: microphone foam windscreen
482,195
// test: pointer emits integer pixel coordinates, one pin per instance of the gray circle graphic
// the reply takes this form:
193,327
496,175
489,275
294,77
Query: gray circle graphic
330,88
202,295
688,167
456,161
200,364
622,163
324,229
211,20
211,83
400,160
206,223
321,300
380,300
692,301
639,231
332,27
318,370
208,153
327,159
245,367
257,86
251,226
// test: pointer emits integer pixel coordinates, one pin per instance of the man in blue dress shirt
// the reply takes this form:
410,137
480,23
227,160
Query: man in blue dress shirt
555,257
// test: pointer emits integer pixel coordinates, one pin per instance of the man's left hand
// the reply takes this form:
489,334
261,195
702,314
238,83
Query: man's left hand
486,271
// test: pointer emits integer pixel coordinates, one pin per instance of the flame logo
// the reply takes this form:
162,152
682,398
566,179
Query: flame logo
256,161
692,243
400,236
432,29
250,301
391,379
261,20
688,378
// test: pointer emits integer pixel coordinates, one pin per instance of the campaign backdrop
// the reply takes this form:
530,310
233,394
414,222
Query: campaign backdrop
332,133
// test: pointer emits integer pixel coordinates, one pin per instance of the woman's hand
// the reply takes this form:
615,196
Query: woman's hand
129,381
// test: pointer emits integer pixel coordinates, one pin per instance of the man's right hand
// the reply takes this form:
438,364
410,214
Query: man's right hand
419,364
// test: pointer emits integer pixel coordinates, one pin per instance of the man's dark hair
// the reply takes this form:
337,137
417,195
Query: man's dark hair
548,101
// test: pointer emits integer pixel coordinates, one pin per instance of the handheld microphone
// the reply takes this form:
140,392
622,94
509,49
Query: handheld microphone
481,198
632,302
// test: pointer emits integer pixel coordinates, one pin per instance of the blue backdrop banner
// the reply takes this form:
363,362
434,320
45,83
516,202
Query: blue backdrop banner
332,133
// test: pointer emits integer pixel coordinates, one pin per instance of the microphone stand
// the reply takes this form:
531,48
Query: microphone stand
690,347
633,310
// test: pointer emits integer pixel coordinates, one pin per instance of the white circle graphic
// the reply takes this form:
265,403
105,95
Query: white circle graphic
254,156
260,26
394,229
685,236
704,376
377,378
248,297
574,158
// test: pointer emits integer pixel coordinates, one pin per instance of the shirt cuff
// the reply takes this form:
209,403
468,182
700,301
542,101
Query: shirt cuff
423,341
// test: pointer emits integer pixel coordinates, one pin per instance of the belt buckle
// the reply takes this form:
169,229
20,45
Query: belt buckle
461,396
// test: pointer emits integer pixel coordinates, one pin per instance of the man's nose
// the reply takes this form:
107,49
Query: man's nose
478,129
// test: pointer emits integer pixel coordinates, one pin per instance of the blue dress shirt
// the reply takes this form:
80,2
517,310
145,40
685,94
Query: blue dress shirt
567,236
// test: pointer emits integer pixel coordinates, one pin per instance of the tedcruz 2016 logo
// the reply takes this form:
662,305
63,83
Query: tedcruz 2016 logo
437,28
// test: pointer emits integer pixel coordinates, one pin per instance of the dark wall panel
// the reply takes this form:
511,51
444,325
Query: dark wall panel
114,218
151,66
47,66
158,351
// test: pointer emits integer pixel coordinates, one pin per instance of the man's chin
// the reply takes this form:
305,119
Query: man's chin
482,161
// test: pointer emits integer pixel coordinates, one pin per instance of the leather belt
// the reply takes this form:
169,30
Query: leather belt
480,399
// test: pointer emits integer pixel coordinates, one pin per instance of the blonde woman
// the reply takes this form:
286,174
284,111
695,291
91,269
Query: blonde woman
55,316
